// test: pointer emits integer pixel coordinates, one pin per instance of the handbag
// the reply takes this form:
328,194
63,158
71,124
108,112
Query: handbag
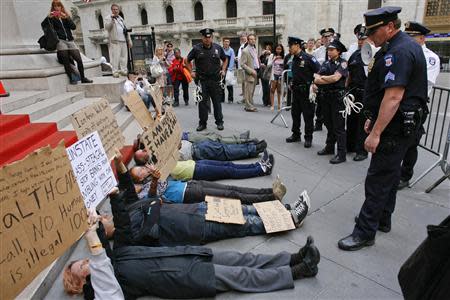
230,79
156,70
49,40
186,73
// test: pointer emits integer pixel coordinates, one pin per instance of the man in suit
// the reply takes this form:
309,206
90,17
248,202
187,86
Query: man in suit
250,64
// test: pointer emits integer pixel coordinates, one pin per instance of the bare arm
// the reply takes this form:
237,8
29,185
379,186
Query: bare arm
328,79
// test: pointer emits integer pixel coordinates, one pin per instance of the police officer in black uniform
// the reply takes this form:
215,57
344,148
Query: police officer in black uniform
303,68
210,65
395,93
331,81
355,85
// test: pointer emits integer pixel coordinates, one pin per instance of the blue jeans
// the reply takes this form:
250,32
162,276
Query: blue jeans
215,170
224,152
147,100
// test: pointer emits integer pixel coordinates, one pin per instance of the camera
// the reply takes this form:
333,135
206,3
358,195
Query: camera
126,30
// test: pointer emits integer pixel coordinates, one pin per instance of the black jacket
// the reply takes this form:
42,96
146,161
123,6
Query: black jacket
63,27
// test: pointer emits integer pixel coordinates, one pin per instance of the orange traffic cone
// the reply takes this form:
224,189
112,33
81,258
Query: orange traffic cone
3,93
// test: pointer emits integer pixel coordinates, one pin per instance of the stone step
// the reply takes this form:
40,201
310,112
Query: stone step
45,107
63,116
108,87
20,99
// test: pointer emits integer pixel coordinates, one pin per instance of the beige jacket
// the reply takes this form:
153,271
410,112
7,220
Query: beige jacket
112,30
246,63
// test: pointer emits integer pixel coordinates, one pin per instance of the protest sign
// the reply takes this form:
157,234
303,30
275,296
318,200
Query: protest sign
275,216
224,210
41,216
92,169
137,107
99,117
157,95
162,141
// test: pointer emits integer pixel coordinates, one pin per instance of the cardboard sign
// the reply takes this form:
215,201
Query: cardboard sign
99,117
157,95
224,210
92,169
41,215
274,216
162,141
137,107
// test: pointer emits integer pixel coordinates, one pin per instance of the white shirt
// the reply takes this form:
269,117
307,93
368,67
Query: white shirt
320,54
119,27
185,151
239,55
433,67
129,86
351,49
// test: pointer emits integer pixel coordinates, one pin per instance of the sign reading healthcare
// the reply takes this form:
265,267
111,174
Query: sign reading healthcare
92,169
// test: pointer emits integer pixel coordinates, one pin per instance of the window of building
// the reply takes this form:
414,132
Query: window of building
231,9
144,18
374,4
198,11
437,8
267,7
100,22
169,14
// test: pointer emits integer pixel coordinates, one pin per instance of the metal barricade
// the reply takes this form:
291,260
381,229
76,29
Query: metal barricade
283,108
434,140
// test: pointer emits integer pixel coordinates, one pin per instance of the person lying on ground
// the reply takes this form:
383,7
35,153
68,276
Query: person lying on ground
206,169
154,223
183,271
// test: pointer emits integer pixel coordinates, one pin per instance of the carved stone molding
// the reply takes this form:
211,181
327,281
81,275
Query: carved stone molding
98,12
167,3
74,13
141,6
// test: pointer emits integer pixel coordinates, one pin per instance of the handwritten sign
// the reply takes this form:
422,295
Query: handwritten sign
275,216
157,95
137,107
224,210
162,140
41,216
92,169
99,117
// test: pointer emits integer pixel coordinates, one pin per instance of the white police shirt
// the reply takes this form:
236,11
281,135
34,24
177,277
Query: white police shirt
320,54
433,67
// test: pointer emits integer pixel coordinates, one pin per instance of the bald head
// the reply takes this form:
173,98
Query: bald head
141,157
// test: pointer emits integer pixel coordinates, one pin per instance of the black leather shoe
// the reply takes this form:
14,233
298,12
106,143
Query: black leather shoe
293,138
220,127
337,160
85,80
360,157
353,243
325,151
175,104
201,127
308,144
381,227
318,127
403,184
186,103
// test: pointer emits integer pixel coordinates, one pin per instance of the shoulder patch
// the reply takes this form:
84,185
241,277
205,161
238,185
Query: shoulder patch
432,61
388,60
344,65
389,76
313,59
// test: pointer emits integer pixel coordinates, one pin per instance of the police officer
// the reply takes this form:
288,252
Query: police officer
417,31
321,55
208,57
331,81
396,90
355,86
303,68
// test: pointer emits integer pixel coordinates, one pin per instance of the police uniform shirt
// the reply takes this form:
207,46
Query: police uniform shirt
303,68
329,68
321,54
207,60
433,67
356,68
400,62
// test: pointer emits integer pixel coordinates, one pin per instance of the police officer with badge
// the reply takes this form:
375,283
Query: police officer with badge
331,81
395,94
303,68
210,66
417,31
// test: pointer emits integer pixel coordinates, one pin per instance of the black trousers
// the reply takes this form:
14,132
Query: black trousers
176,90
230,92
410,159
356,135
266,91
333,120
196,190
68,56
319,114
381,184
210,89
302,106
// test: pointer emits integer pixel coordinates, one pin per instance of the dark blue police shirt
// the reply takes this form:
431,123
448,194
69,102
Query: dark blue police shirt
400,62
356,70
329,68
207,60
303,68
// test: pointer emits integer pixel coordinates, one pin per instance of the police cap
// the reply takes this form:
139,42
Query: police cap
357,29
292,40
327,31
415,28
207,32
337,45
379,17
